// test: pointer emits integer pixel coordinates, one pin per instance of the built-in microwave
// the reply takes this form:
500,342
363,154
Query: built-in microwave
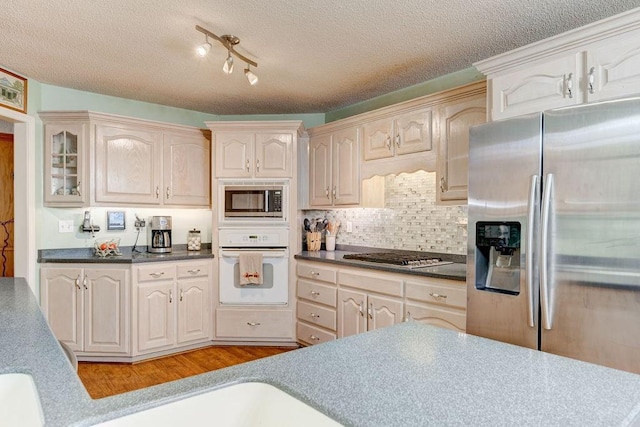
253,201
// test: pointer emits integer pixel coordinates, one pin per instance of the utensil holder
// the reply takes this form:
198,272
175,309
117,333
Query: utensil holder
313,241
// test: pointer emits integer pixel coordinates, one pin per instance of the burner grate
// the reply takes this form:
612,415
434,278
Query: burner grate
395,258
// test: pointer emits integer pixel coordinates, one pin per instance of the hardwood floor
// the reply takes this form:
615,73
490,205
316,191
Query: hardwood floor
107,379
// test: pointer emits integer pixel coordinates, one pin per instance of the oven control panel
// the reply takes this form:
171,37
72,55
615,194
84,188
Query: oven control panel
232,238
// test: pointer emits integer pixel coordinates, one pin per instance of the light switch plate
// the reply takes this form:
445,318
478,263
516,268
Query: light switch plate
65,226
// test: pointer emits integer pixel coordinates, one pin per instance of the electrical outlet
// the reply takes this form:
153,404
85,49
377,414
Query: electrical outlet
65,226
349,227
139,223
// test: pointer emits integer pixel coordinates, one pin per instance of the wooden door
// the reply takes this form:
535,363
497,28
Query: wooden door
194,314
156,318
378,139
320,170
273,155
346,172
383,312
234,154
351,313
106,310
186,170
62,300
6,205
413,132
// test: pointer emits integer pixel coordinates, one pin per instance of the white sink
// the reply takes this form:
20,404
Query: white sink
19,401
238,405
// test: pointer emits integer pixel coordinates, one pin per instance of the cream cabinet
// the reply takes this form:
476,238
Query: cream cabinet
172,305
407,133
438,302
454,121
88,308
317,298
254,149
368,301
596,62
334,160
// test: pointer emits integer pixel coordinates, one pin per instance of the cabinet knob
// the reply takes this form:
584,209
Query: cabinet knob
334,192
170,297
181,295
314,338
315,293
315,273
361,310
398,140
78,189
408,318
84,282
168,194
77,282
314,315
389,143
437,296
157,192
370,311
443,184
247,165
258,165
253,323
326,192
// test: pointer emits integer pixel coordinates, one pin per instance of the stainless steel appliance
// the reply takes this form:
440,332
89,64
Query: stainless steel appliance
159,235
272,244
554,232
403,259
253,200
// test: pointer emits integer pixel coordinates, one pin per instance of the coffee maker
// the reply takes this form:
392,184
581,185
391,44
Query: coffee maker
159,235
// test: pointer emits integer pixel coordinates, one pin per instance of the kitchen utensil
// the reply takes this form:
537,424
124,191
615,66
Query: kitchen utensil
307,224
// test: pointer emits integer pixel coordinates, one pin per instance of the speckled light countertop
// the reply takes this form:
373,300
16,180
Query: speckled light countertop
408,374
86,255
455,271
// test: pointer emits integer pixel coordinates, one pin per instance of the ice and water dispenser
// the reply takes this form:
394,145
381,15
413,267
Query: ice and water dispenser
498,257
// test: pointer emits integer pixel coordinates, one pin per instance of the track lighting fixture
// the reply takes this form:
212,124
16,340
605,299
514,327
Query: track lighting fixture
228,42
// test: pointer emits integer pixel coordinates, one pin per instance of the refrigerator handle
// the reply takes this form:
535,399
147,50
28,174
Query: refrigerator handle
545,303
531,233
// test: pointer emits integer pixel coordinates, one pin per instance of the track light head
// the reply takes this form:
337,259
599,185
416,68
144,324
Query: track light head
227,67
252,78
204,48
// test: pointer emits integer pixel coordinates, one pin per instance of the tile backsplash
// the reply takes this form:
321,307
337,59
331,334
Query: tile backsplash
410,219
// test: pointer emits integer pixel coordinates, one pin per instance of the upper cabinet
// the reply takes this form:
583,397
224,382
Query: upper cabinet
596,62
334,158
254,149
407,133
101,159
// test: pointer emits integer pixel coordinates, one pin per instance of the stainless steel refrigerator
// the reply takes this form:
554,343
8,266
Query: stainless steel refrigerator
554,232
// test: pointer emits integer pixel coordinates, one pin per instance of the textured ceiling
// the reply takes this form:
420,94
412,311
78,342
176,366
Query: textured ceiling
313,56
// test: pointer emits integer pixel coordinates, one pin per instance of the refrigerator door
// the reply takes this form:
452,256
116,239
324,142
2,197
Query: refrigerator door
590,265
504,194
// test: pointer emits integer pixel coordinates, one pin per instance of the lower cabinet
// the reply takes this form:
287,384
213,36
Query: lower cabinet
238,324
437,302
317,299
360,312
88,308
172,304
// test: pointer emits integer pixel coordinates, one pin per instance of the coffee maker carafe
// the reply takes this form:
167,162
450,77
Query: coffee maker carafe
159,235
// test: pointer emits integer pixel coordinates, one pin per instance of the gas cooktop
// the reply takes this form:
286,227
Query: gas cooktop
401,259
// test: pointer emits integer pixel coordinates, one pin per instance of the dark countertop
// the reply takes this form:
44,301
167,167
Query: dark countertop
87,255
455,271
407,374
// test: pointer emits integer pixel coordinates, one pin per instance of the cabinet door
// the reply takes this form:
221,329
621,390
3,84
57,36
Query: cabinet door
613,68
273,155
552,84
383,312
63,304
106,310
378,139
128,165
453,149
234,154
194,314
320,170
413,132
156,315
437,316
351,313
346,172
187,170
65,180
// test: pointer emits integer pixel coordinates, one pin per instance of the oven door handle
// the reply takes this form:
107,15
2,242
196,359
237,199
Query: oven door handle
266,253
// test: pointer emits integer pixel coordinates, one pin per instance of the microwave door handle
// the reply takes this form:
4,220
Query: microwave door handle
265,253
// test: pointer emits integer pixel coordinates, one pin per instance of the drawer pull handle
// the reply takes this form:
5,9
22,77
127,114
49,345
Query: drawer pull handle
77,282
194,271
253,323
313,273
314,315
315,293
314,338
156,275
84,282
437,296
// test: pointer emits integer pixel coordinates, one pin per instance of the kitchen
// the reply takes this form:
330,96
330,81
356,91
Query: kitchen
459,227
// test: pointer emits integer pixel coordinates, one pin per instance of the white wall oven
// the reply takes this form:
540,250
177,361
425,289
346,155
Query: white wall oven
254,201
273,271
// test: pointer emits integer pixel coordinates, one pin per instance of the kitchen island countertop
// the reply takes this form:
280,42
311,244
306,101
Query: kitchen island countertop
407,374
455,271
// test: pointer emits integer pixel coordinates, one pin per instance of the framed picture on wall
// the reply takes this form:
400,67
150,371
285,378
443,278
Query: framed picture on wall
115,220
13,91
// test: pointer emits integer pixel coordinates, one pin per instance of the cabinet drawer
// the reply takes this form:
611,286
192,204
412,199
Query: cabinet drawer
156,272
312,271
254,324
194,269
316,292
380,283
313,335
438,292
449,318
319,315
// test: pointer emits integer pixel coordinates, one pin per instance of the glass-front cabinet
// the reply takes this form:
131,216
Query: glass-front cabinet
64,169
